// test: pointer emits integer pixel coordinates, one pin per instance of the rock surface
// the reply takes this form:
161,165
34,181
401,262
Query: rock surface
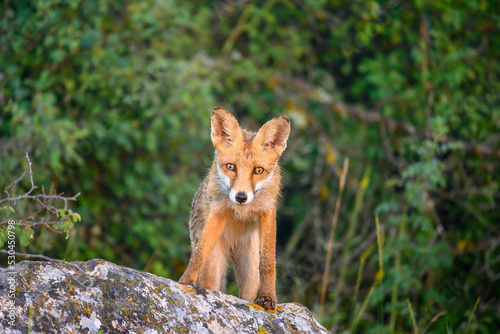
53,298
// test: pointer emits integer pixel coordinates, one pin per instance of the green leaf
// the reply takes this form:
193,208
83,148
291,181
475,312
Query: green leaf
3,236
5,207
26,235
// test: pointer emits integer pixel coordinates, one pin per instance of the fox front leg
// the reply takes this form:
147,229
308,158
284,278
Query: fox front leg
211,232
267,231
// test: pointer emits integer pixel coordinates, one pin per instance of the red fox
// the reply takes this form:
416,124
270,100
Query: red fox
233,213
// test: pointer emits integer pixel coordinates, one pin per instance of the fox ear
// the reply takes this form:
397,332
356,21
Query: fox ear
273,135
226,131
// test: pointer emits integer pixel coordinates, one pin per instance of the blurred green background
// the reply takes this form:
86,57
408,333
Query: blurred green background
113,99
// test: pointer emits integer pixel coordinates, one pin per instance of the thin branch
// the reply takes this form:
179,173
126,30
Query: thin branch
27,195
58,197
35,256
26,222
33,187
6,190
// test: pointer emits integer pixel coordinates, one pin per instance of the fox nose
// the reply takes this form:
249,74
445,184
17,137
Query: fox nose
241,197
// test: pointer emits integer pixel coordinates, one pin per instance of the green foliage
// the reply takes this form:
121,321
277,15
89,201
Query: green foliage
113,99
67,221
25,235
3,236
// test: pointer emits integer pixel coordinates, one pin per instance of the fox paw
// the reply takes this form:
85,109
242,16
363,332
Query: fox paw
185,281
266,302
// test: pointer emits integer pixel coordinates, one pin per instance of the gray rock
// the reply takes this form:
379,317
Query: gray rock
54,298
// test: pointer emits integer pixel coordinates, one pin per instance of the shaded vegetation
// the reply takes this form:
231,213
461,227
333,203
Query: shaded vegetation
113,99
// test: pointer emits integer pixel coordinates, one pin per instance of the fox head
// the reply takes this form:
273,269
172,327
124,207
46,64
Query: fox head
246,161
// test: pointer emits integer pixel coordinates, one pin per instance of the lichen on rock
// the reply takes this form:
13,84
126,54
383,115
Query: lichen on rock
50,298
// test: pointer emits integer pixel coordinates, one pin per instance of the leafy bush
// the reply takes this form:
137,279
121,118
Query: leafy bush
113,100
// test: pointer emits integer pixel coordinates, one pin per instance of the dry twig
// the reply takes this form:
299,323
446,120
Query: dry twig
43,199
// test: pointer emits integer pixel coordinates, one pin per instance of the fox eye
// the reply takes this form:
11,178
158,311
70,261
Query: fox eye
258,170
231,167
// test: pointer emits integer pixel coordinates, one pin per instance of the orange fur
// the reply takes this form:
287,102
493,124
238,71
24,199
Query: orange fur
233,214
